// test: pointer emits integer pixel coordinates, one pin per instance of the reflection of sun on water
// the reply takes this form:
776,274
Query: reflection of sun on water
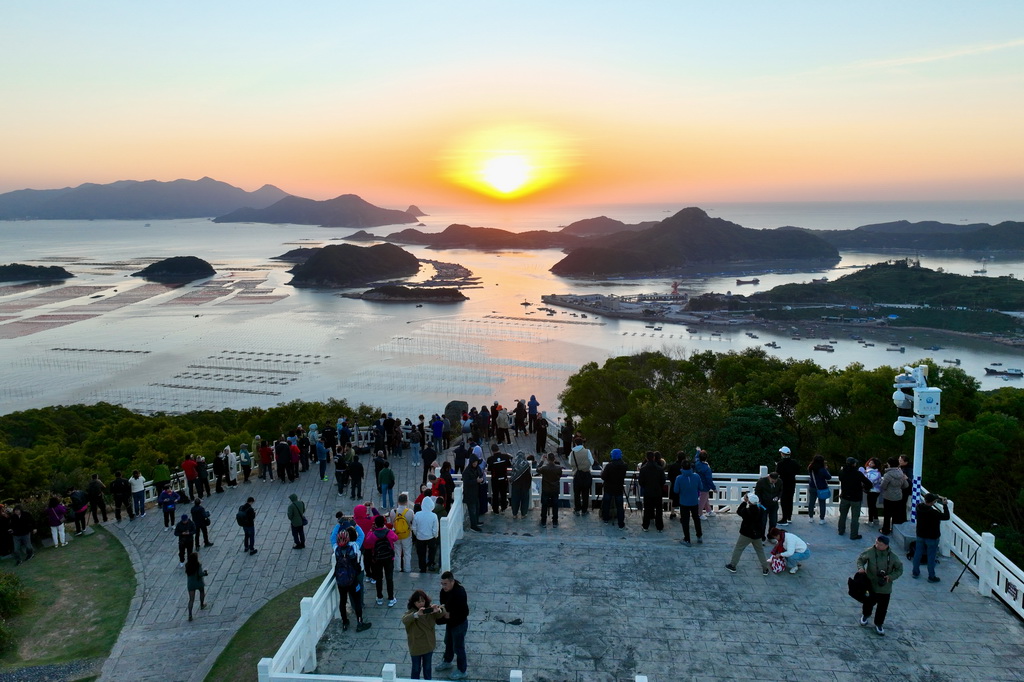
508,162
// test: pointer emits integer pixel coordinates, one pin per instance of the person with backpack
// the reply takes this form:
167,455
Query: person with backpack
201,517
297,520
380,546
348,578
246,518
401,521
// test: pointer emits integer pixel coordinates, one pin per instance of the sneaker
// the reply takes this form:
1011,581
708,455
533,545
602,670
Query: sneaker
766,571
856,537
783,523
362,627
444,665
821,522
863,621
730,568
933,579
700,540
880,630
458,675
392,602
252,551
685,542
795,569
645,530
181,564
703,517
344,626
915,576
380,601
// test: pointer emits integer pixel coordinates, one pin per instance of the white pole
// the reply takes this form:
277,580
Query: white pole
919,427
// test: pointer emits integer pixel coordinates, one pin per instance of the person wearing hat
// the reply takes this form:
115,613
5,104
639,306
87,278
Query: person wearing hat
852,486
928,520
881,566
751,514
788,469
613,494
185,531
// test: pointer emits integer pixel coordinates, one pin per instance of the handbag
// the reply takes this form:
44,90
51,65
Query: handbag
825,494
859,587
778,563
305,521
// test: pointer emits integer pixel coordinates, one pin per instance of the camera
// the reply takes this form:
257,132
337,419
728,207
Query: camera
883,577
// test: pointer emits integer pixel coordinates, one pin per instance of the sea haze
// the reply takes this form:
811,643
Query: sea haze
246,338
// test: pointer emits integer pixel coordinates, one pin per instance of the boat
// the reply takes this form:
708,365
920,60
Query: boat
771,344
868,345
795,338
748,281
820,280
955,361
825,347
897,349
996,364
716,333
525,303
1008,372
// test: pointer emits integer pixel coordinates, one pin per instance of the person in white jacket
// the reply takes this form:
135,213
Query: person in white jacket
426,529
789,546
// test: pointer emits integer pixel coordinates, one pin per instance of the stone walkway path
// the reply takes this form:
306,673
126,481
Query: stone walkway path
157,642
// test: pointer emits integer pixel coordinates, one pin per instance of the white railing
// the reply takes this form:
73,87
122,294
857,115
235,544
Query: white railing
451,529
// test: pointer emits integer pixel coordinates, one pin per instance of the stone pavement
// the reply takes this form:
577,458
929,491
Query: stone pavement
157,641
587,602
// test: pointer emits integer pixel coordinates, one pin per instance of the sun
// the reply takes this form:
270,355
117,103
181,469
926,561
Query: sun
508,162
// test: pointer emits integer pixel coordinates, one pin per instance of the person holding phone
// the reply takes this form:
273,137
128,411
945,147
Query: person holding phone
419,620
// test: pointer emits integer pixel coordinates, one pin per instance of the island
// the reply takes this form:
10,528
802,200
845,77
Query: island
16,272
458,236
132,199
399,294
347,265
347,210
691,238
177,269
602,226
927,236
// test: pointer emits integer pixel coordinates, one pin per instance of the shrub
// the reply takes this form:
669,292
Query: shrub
12,595
6,637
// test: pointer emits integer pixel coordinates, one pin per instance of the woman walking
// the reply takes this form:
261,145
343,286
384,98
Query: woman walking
419,621
195,575
349,578
817,487
55,513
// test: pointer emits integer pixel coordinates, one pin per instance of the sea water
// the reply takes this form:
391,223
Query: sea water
245,337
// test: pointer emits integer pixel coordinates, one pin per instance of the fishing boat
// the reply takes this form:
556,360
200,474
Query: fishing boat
955,361
825,347
1008,372
897,349
748,281
771,344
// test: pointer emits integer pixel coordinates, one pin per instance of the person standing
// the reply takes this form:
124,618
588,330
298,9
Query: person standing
456,603
220,470
96,502
191,469
419,621
769,490
581,461
532,409
788,469
401,521
751,515
347,576
852,486
246,518
818,491
472,478
202,477
928,531
540,431
266,453
651,480
497,467
55,513
521,485
121,491
894,512
687,487
702,468
138,487
168,501
550,479
161,475
379,544
245,459
195,578
297,520
185,531
21,531
882,567
232,459
386,485
426,529
355,477
872,471
321,458
612,496
201,517
80,506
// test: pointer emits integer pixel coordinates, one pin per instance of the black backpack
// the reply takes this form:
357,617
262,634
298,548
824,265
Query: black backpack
242,517
382,549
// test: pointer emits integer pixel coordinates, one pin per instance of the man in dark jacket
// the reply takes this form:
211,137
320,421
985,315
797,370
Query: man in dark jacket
355,477
498,466
472,477
550,473
283,457
769,490
22,528
456,603
928,520
751,514
184,531
852,485
201,517
651,480
121,490
247,520
788,470
614,477
96,502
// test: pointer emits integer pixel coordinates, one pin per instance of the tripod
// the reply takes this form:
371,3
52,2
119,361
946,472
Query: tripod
967,564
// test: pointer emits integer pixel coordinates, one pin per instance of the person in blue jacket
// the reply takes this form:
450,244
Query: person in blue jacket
687,487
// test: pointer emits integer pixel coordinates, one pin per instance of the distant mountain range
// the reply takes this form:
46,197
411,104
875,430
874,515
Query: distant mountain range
347,210
691,237
603,225
927,236
133,199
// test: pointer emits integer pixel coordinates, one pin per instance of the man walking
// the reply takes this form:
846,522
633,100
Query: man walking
456,621
297,521
355,477
852,486
121,491
386,485
882,567
687,487
581,461
928,520
550,478
751,514
614,477
201,517
246,518
788,469
651,480
185,531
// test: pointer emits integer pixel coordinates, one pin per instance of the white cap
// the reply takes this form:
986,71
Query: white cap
753,499
784,450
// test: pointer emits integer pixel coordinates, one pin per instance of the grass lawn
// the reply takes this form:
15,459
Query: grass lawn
262,635
79,597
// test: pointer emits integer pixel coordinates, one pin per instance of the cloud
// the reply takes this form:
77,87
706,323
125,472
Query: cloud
942,56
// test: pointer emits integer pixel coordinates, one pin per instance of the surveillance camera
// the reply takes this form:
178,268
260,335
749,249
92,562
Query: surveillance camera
931,423
899,428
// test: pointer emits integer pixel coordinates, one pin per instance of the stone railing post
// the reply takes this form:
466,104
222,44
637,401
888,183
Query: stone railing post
388,673
515,676
985,567
763,471
263,669
307,618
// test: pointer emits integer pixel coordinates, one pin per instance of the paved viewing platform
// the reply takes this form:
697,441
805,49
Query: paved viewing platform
583,602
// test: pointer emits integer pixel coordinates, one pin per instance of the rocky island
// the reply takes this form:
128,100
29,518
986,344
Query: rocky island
927,236
692,238
346,265
16,272
400,294
484,238
347,210
177,269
